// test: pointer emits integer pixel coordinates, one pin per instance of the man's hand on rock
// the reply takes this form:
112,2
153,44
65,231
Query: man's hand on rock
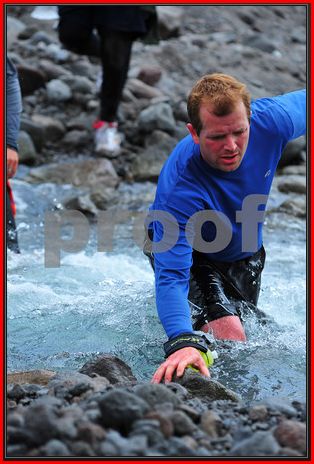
177,363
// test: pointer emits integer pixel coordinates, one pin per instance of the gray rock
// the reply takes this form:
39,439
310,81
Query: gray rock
90,433
291,434
223,37
30,78
156,394
260,42
157,116
41,36
66,428
148,164
55,52
69,380
119,409
176,446
16,393
27,150
169,21
259,444
103,197
35,131
292,183
58,91
53,128
15,419
85,173
165,424
116,445
183,425
149,428
211,423
204,387
180,392
292,152
295,206
279,405
14,28
55,448
81,202
78,83
298,170
16,450
258,413
52,70
150,75
82,449
111,367
41,423
190,411
76,138
141,90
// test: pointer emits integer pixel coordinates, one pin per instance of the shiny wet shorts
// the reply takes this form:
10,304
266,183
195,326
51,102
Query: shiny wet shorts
225,289
219,289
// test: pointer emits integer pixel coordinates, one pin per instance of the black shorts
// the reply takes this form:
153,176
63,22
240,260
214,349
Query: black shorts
219,289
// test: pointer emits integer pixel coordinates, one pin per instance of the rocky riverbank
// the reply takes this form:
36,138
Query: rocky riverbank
103,411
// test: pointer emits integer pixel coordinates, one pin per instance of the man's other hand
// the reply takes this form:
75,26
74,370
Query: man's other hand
177,363
12,162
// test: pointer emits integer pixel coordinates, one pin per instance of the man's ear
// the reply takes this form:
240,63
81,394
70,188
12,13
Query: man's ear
193,133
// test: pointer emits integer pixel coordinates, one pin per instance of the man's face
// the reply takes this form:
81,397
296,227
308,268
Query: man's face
223,139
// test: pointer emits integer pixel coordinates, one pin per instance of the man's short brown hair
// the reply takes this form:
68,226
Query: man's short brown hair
222,91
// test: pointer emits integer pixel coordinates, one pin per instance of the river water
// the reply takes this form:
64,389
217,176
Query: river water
95,302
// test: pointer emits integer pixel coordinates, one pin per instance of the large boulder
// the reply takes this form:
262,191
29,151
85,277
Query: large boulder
205,388
87,173
111,367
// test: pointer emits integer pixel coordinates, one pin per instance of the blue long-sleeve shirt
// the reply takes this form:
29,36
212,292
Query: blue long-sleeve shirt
187,185
13,105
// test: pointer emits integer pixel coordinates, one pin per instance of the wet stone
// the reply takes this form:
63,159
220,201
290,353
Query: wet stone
291,434
259,444
258,413
119,409
183,425
155,394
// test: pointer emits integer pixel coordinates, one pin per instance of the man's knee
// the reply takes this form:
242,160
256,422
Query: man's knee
226,328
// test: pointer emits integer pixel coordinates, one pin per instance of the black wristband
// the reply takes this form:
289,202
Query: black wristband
200,342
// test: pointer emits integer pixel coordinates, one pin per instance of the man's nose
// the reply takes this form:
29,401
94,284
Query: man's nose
230,143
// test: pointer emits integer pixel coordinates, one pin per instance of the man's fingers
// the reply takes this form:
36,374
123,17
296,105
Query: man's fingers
157,377
181,368
169,372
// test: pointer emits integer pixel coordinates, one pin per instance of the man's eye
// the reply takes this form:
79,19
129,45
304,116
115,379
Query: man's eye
240,132
216,137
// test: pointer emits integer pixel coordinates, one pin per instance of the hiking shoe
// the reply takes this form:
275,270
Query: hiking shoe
107,139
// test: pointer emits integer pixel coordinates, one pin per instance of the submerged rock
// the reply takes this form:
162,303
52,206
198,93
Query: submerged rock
111,367
205,388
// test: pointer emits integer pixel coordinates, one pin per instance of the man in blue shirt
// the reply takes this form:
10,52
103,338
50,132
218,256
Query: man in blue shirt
205,225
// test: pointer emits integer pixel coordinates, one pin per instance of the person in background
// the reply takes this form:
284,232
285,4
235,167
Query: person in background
107,32
223,168
13,111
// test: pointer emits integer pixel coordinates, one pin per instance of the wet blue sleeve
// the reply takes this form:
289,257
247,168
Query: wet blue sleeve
294,105
13,105
172,275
